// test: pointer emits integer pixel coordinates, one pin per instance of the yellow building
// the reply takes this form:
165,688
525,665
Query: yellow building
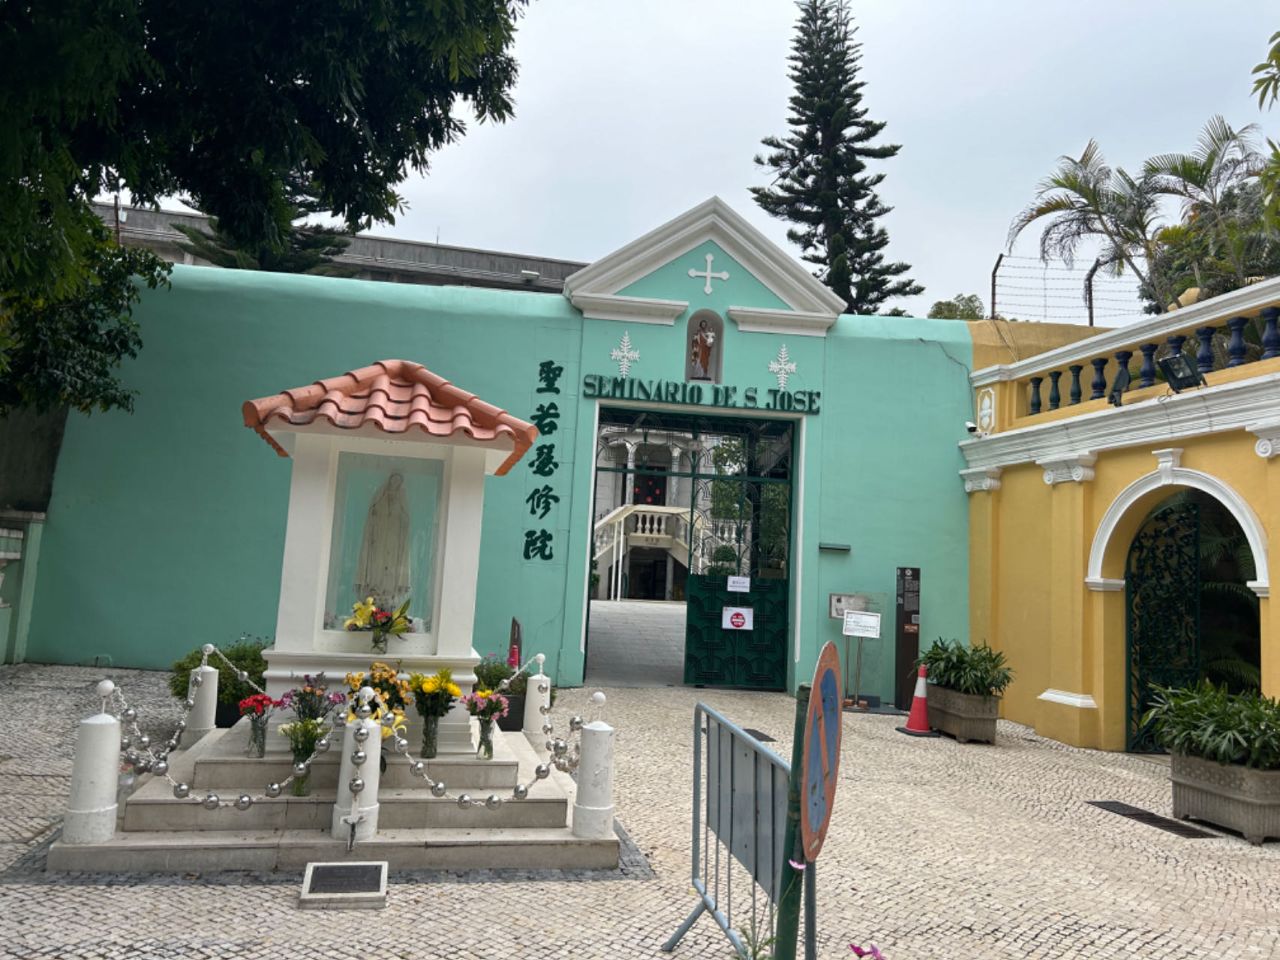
1091,498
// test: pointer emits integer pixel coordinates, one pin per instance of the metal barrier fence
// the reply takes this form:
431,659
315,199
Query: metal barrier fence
739,814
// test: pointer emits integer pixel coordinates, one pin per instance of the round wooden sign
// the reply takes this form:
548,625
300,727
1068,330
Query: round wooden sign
821,752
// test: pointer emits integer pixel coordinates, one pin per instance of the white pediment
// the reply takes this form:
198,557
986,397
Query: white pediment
810,308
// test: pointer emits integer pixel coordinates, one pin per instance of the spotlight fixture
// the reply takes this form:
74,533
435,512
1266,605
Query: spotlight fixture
1179,372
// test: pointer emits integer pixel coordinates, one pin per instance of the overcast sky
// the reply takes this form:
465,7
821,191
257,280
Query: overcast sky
628,113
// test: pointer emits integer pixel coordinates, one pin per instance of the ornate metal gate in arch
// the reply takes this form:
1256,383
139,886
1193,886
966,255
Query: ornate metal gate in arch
1162,613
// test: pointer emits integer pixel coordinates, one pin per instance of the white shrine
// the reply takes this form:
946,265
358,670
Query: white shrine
386,500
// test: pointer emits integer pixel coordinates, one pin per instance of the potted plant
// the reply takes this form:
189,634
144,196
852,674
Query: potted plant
246,654
490,672
965,684
1225,765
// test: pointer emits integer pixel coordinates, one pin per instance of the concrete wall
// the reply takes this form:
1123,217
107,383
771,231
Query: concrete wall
166,527
1030,547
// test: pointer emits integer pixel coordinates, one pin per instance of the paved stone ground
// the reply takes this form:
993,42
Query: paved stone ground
635,643
938,850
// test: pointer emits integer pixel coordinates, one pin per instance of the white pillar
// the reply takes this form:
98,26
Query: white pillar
535,699
363,811
95,774
630,476
201,719
593,806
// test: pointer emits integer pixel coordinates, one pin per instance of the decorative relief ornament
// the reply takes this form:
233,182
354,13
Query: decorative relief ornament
707,275
783,367
624,355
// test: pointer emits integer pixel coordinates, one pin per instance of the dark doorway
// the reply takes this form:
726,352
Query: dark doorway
1190,614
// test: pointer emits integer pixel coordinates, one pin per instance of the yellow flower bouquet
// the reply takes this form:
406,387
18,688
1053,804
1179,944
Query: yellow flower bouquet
433,695
367,615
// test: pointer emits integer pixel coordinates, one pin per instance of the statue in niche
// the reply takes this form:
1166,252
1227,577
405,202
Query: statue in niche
701,351
383,569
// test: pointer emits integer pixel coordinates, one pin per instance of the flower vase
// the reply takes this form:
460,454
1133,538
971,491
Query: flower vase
379,641
485,750
301,785
257,734
430,736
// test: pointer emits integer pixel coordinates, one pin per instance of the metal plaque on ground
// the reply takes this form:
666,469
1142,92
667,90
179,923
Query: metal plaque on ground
345,886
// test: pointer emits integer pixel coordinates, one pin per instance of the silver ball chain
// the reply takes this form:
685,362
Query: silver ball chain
561,755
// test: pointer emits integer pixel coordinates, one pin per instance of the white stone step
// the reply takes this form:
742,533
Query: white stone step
153,808
220,762
292,850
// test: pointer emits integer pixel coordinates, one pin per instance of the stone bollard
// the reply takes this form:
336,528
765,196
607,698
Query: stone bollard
534,700
593,806
95,774
360,805
201,719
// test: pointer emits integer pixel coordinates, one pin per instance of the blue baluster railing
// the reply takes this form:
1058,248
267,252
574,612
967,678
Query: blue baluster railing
1099,385
1035,394
1270,335
1236,349
1147,375
1204,358
1075,369
1055,396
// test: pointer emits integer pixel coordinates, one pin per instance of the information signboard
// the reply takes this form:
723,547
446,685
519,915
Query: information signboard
861,623
737,618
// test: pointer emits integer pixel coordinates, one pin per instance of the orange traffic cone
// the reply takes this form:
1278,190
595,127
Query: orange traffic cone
918,719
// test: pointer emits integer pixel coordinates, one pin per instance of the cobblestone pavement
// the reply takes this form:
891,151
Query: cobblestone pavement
937,850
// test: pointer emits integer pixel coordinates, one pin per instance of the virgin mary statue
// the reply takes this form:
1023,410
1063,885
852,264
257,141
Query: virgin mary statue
383,569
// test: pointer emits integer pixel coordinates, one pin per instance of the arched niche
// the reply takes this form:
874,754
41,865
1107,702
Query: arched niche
1127,513
704,347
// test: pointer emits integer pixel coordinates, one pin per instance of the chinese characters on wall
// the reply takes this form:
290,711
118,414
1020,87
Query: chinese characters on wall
542,499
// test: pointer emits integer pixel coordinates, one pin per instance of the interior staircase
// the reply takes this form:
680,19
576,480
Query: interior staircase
157,832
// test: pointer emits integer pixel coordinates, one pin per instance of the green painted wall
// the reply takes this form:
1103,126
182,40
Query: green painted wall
166,527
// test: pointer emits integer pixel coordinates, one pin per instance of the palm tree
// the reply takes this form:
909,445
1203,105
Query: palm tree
1206,181
1087,199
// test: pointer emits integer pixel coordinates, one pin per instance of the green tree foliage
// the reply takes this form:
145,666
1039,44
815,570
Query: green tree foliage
1266,84
224,104
304,248
1084,199
64,350
960,307
821,183
1216,186
1266,75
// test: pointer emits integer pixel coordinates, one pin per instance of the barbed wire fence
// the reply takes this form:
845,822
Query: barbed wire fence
1028,288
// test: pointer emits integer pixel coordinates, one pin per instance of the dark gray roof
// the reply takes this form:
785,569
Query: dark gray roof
376,258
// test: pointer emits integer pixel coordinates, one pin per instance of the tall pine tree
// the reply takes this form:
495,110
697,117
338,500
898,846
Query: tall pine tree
821,182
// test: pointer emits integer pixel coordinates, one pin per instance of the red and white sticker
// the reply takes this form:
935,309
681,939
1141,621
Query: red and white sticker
737,618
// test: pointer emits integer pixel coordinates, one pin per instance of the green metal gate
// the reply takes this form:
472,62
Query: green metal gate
1162,618
741,523
736,476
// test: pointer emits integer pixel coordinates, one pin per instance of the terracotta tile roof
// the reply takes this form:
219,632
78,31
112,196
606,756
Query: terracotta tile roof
396,397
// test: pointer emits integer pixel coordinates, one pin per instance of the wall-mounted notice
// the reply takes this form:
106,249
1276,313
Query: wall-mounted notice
861,623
